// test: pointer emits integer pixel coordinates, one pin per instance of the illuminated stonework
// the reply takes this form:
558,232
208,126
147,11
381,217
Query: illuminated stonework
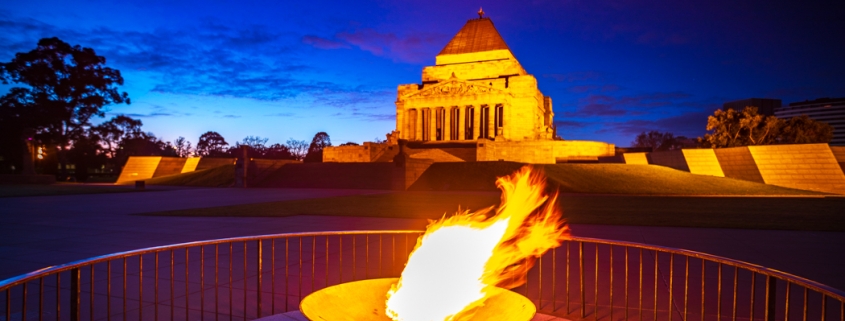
476,89
476,103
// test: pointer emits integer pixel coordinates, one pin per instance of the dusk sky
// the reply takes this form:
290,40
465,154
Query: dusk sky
289,69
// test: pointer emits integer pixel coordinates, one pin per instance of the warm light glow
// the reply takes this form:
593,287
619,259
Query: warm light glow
459,259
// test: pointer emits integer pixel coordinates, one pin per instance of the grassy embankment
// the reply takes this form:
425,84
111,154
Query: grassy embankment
729,210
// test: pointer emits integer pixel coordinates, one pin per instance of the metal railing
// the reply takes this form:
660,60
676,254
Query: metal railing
250,277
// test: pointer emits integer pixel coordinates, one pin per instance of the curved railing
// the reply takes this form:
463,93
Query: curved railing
251,277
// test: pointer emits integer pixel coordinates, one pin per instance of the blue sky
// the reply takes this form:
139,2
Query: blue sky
289,69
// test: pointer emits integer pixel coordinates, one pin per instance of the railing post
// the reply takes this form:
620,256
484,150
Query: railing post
771,291
260,252
74,294
581,276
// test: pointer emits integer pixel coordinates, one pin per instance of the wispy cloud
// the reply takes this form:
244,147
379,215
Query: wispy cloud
323,43
414,47
691,124
209,59
606,105
577,76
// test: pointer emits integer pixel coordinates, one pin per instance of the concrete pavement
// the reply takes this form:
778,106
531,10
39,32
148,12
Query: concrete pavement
36,232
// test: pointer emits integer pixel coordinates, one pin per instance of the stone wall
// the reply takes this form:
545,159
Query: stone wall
369,152
805,166
208,162
542,152
346,154
138,168
635,158
737,162
169,166
145,167
812,167
696,161
839,154
672,159
190,164
703,162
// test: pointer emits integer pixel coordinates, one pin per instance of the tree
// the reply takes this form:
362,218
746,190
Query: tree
182,147
803,130
278,151
299,148
315,150
211,144
65,87
658,141
86,153
255,147
144,144
114,131
730,128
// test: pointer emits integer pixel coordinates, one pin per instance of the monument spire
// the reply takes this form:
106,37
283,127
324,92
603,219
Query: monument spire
480,13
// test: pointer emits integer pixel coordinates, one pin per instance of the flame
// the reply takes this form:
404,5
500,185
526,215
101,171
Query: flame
460,258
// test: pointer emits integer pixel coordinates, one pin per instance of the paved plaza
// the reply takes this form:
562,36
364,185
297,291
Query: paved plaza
36,232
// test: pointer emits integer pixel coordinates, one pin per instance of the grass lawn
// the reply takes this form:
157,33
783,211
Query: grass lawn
60,189
597,179
816,214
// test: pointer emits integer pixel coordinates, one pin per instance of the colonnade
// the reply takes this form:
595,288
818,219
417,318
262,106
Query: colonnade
453,123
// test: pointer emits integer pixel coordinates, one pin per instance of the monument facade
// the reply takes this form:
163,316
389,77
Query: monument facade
476,99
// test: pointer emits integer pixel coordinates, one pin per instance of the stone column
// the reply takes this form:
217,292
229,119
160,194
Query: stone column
401,116
447,123
462,112
491,120
410,129
419,124
476,130
432,124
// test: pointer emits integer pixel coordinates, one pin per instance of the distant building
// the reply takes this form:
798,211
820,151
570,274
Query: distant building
828,110
765,106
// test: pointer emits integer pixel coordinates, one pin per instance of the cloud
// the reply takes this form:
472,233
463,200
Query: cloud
231,116
691,124
207,59
576,76
560,124
137,115
582,89
365,116
411,48
323,43
606,105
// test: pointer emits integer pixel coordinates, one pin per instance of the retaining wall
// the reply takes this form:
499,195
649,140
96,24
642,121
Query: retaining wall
815,167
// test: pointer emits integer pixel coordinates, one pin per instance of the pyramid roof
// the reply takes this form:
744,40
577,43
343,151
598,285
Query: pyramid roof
477,35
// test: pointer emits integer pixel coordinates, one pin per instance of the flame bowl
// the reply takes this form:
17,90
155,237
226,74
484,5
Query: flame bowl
365,300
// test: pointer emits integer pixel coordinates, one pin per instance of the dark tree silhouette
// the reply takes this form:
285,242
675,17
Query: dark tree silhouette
278,151
144,144
211,144
315,150
255,147
65,87
730,128
658,141
86,154
298,148
804,130
182,146
114,131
